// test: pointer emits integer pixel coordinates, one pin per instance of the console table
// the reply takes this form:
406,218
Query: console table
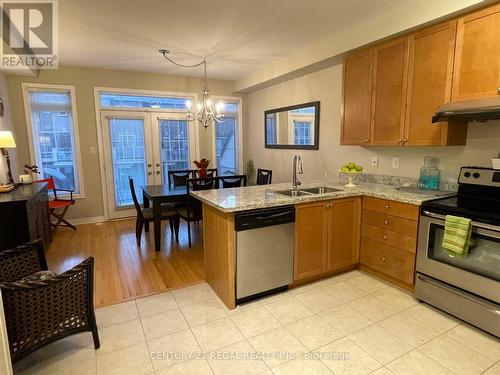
24,216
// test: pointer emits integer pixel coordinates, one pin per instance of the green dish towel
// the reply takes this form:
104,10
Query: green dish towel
457,234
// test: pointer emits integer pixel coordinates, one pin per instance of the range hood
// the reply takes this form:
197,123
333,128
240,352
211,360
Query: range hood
469,110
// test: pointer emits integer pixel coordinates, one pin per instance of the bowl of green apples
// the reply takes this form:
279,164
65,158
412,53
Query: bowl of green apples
351,169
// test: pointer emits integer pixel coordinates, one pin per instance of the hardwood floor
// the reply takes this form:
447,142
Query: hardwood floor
122,270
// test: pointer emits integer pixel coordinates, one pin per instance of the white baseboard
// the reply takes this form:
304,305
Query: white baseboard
87,220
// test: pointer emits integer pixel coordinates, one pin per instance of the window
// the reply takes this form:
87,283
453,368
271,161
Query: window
52,128
302,133
226,140
110,100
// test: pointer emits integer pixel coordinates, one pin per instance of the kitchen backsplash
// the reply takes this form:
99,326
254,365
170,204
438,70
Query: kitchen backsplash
394,180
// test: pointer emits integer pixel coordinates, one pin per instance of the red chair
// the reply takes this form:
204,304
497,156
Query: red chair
59,204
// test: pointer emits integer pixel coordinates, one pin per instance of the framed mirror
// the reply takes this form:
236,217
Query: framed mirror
293,127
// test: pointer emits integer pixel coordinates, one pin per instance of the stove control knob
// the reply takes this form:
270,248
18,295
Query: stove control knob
476,175
467,174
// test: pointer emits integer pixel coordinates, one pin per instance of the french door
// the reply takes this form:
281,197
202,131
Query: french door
145,146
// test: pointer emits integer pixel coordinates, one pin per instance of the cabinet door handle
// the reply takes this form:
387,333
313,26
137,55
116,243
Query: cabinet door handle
498,90
386,222
387,207
384,259
385,236
158,172
150,173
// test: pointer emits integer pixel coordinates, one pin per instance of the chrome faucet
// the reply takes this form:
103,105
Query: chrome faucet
297,169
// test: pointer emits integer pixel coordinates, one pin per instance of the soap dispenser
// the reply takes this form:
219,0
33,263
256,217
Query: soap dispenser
429,174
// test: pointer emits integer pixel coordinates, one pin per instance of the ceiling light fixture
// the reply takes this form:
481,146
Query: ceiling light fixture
205,113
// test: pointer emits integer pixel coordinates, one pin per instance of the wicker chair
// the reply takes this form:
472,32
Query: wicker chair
38,313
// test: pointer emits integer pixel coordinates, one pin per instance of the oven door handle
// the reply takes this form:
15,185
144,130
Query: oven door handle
474,223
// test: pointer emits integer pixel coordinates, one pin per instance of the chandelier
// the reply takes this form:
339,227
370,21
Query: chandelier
205,112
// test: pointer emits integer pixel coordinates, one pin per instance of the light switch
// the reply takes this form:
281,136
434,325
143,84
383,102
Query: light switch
395,162
92,150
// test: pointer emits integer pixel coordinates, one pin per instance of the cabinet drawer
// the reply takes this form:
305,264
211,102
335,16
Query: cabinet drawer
392,223
389,237
404,210
394,262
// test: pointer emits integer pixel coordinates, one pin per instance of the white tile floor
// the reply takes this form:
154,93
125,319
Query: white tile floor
369,326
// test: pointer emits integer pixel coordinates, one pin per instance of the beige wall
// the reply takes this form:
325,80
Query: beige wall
84,80
483,140
6,124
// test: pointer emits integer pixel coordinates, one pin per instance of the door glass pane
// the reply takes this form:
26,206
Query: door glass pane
174,146
128,158
225,144
483,257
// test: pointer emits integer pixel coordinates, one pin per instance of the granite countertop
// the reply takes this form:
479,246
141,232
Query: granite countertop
264,196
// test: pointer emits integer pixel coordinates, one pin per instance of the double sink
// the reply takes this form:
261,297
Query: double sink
308,191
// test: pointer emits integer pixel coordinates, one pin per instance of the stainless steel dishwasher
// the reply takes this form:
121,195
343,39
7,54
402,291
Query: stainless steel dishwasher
264,251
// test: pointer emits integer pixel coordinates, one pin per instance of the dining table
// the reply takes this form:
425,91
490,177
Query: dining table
158,195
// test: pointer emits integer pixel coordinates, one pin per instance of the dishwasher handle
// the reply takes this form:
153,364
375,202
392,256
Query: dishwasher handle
264,218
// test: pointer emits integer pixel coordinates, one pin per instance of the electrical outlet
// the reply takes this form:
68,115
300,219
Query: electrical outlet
374,162
395,162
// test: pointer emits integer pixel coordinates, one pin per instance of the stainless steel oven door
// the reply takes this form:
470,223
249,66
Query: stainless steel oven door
478,272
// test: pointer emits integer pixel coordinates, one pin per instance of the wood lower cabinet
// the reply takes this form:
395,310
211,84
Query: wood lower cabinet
388,260
311,220
344,224
430,73
357,97
477,56
390,64
389,240
326,236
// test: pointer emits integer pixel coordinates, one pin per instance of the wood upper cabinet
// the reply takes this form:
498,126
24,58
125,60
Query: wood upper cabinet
477,56
344,233
327,236
357,97
390,65
310,240
430,72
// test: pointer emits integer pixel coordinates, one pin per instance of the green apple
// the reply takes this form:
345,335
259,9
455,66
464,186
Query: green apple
359,168
353,170
351,165
344,169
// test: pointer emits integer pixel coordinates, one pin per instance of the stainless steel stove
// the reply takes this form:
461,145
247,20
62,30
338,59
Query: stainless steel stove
465,286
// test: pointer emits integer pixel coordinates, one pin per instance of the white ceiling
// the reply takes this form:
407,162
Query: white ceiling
237,36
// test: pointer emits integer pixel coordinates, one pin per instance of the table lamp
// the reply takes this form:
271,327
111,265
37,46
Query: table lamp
6,142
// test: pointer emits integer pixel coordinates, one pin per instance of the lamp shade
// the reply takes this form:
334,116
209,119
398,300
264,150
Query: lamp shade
7,140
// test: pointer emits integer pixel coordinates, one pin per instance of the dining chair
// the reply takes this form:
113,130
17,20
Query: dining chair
233,181
145,216
211,172
179,177
58,206
264,176
193,211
